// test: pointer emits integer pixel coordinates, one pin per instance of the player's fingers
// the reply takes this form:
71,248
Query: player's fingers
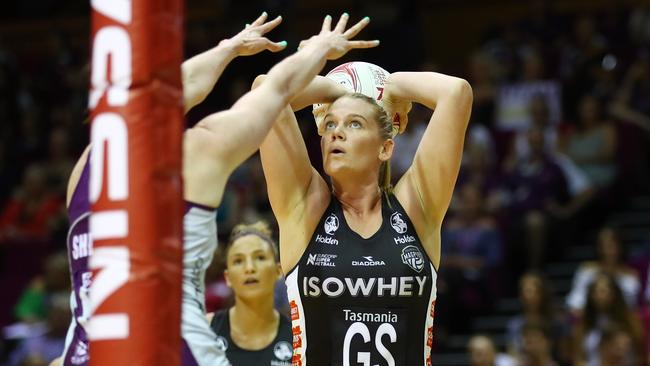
343,21
355,29
261,19
363,44
266,27
327,24
275,46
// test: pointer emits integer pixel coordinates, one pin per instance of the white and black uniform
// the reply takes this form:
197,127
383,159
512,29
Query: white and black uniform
363,301
277,353
199,243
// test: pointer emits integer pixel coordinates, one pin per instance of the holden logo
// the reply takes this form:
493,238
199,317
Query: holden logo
398,223
222,343
331,224
282,351
412,257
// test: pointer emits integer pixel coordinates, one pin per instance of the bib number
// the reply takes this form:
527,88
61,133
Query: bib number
359,329
369,337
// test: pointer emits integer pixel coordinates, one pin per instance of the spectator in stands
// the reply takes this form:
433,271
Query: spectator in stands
592,146
632,105
536,347
538,310
30,214
478,168
615,348
46,346
32,304
632,101
611,260
482,352
605,308
538,109
535,184
484,75
585,43
472,253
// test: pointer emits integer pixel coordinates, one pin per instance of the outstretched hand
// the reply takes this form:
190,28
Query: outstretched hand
251,40
337,41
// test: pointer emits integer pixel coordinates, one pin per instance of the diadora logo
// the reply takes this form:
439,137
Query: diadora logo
326,240
398,223
331,224
368,262
321,260
412,257
404,239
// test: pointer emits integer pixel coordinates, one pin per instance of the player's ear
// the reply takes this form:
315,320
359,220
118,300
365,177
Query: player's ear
226,276
279,272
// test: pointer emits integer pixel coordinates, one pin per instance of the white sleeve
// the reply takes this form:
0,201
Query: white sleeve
577,298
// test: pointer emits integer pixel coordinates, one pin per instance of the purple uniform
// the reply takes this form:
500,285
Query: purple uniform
80,245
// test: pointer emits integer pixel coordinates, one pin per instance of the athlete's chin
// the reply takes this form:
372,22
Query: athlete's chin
254,292
335,168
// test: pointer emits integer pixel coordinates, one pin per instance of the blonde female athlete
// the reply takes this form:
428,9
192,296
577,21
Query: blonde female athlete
361,257
211,151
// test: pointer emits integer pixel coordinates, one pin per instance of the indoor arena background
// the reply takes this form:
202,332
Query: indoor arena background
556,168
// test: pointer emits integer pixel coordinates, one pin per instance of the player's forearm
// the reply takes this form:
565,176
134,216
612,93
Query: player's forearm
427,88
201,72
294,73
320,90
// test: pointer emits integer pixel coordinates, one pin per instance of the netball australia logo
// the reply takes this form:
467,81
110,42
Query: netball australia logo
282,351
412,257
398,223
331,224
222,343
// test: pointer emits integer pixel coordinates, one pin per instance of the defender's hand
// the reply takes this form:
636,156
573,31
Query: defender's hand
251,40
337,41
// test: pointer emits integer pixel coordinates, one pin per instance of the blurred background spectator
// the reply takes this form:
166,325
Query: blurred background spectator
611,260
605,308
541,315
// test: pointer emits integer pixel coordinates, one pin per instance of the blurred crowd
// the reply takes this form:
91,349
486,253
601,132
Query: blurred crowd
559,139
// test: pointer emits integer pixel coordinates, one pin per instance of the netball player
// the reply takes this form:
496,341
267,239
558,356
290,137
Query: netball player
211,151
253,332
361,257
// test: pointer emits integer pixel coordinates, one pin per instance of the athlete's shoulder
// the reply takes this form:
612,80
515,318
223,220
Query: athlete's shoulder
284,328
76,175
218,319
284,319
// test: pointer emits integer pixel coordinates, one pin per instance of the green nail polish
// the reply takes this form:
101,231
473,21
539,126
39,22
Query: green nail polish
346,14
367,19
283,43
328,16
264,13
247,25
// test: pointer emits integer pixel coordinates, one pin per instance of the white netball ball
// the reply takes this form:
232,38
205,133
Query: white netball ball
360,77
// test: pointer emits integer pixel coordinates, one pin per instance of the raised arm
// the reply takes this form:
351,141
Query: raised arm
201,72
293,185
222,141
432,176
